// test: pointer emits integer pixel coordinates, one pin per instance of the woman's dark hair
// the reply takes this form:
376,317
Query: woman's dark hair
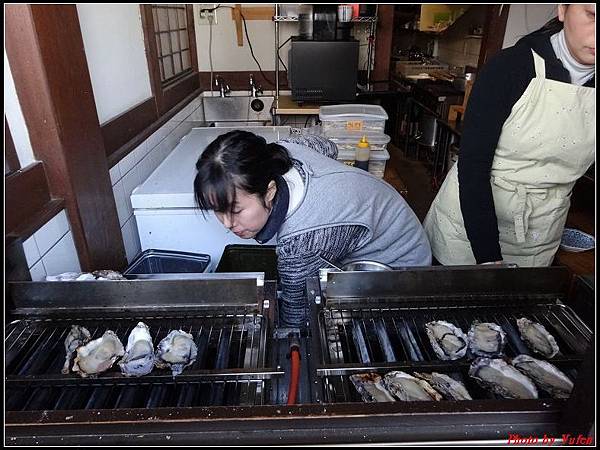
238,159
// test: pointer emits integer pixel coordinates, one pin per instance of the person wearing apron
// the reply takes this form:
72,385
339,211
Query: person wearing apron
528,137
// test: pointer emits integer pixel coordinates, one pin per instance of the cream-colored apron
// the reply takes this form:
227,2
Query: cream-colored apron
546,144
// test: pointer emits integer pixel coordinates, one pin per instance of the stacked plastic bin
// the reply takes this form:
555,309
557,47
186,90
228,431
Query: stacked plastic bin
346,124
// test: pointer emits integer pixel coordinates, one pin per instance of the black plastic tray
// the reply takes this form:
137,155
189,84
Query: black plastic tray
249,258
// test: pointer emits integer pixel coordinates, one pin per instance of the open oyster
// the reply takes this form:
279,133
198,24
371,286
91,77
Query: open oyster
407,388
108,275
98,355
370,387
77,337
537,337
446,385
448,341
547,376
176,351
139,353
502,378
486,339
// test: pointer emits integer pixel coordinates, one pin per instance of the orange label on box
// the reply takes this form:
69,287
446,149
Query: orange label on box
354,125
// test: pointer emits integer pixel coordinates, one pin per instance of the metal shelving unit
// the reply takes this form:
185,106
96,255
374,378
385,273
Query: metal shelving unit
372,21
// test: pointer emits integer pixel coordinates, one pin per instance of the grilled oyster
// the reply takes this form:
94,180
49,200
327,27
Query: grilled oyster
65,276
108,275
537,337
98,355
407,388
547,376
139,354
77,337
446,385
448,341
501,378
176,351
370,387
486,339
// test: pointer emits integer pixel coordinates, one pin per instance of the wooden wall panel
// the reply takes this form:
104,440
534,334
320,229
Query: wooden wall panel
45,49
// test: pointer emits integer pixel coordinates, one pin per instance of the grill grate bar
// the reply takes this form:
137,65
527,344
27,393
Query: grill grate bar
364,336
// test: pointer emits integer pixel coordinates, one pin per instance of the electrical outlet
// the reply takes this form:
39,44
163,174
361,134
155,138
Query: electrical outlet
205,11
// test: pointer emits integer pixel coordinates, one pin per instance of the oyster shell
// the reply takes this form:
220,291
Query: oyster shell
450,388
547,376
537,337
98,355
370,387
139,353
502,378
176,351
448,341
108,275
77,337
486,339
407,388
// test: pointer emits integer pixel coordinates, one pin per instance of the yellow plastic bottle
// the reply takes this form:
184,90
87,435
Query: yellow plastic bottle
361,156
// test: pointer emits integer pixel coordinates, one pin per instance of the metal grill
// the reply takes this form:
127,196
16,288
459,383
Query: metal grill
231,354
385,339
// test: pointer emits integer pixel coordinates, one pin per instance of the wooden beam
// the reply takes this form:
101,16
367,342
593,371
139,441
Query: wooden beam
47,58
249,13
493,32
383,43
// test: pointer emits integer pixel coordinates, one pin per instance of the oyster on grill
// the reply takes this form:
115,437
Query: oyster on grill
98,355
486,339
108,275
502,378
370,387
77,337
450,388
537,337
176,351
139,353
448,341
407,388
547,376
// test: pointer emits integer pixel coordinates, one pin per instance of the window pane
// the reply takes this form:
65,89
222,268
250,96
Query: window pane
168,65
172,19
175,41
177,61
182,18
183,35
187,63
155,19
163,19
158,46
164,41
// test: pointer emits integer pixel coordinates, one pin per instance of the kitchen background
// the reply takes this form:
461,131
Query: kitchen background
113,40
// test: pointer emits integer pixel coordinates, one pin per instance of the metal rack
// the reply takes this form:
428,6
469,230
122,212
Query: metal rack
277,19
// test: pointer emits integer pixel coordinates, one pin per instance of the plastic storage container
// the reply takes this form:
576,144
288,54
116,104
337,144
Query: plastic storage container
166,264
377,160
249,258
351,117
350,139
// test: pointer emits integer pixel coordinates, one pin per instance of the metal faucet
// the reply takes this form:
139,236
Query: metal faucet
222,85
255,89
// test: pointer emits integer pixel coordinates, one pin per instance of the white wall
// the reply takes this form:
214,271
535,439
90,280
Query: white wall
114,46
525,18
15,119
51,249
227,56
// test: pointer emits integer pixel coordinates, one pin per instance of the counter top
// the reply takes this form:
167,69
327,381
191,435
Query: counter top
287,106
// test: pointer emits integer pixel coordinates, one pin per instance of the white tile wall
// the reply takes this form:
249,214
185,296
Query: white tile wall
51,249
137,166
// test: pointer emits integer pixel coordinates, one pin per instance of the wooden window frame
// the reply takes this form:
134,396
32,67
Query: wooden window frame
170,93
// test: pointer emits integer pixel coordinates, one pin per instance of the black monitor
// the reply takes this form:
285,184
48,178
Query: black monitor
323,70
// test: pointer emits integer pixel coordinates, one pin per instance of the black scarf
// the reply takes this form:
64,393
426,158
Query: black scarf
278,212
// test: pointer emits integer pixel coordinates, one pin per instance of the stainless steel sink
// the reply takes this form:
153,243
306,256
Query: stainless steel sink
240,123
238,109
